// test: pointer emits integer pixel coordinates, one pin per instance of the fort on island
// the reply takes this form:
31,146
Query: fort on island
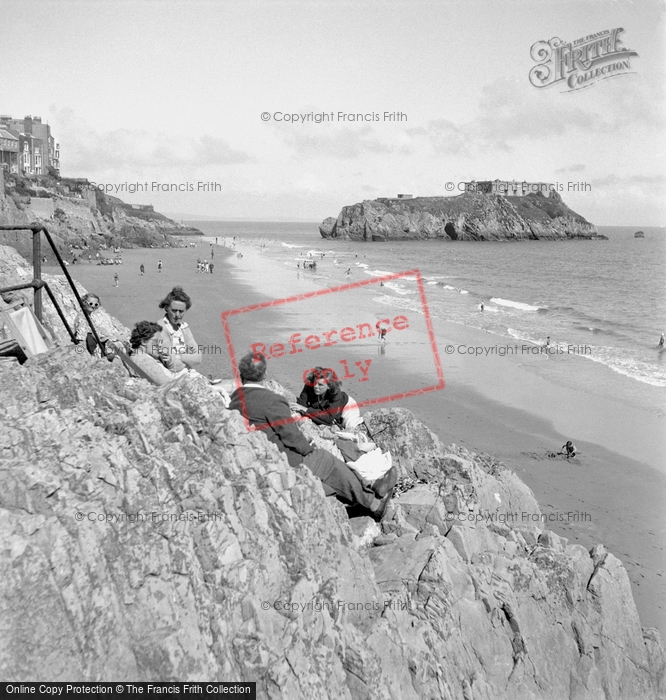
506,188
509,188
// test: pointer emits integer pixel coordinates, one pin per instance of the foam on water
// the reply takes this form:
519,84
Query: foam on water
514,304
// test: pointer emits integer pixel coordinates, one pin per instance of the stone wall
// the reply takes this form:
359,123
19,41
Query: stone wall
42,207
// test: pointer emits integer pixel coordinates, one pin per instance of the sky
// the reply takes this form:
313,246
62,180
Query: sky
170,95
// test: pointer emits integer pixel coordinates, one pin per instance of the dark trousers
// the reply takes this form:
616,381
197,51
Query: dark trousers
91,344
339,480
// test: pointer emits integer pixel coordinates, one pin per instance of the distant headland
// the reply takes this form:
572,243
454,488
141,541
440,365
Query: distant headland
486,211
80,216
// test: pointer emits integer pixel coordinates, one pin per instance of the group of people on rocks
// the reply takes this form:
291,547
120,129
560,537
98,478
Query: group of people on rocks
272,414
165,350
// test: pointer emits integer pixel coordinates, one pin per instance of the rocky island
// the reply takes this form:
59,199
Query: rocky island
471,216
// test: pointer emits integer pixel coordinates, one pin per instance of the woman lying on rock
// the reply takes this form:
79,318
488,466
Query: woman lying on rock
148,354
323,400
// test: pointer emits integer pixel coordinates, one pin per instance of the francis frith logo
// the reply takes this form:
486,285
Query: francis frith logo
580,63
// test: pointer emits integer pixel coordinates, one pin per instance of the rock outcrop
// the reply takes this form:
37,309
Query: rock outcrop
80,216
471,216
15,270
147,535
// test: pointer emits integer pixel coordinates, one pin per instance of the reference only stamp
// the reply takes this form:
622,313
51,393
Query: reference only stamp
356,330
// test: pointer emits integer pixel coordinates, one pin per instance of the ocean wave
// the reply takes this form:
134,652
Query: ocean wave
399,302
628,367
583,327
460,290
399,288
515,304
522,336
291,245
376,273
594,323
432,279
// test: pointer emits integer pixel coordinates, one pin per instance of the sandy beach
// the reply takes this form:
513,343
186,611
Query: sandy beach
612,492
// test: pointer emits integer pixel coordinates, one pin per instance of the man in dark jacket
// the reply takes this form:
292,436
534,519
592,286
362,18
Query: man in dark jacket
270,412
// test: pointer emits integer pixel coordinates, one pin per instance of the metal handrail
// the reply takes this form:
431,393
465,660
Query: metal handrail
37,283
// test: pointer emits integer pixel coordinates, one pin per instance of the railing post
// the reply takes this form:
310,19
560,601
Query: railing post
37,270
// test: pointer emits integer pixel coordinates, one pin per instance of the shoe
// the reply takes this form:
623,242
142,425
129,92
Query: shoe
380,510
386,483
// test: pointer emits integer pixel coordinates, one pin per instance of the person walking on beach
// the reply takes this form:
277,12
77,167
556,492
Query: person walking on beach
159,266
210,267
481,306
661,341
115,278
142,269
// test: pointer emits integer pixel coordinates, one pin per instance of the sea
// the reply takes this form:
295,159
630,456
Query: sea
605,299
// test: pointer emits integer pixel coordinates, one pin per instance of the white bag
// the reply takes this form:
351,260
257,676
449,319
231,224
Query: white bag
372,465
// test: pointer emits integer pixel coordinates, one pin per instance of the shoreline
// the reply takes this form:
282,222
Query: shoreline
623,496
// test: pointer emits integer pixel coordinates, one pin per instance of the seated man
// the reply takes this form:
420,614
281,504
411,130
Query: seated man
271,412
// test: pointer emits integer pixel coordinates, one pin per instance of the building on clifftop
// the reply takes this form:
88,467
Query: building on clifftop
36,149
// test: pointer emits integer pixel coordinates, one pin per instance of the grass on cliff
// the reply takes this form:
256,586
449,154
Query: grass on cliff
553,207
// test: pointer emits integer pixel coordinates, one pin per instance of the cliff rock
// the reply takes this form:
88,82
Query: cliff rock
471,216
80,216
14,270
146,535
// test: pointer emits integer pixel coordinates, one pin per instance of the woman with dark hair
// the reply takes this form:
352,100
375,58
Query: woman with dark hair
179,342
148,353
147,350
323,400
